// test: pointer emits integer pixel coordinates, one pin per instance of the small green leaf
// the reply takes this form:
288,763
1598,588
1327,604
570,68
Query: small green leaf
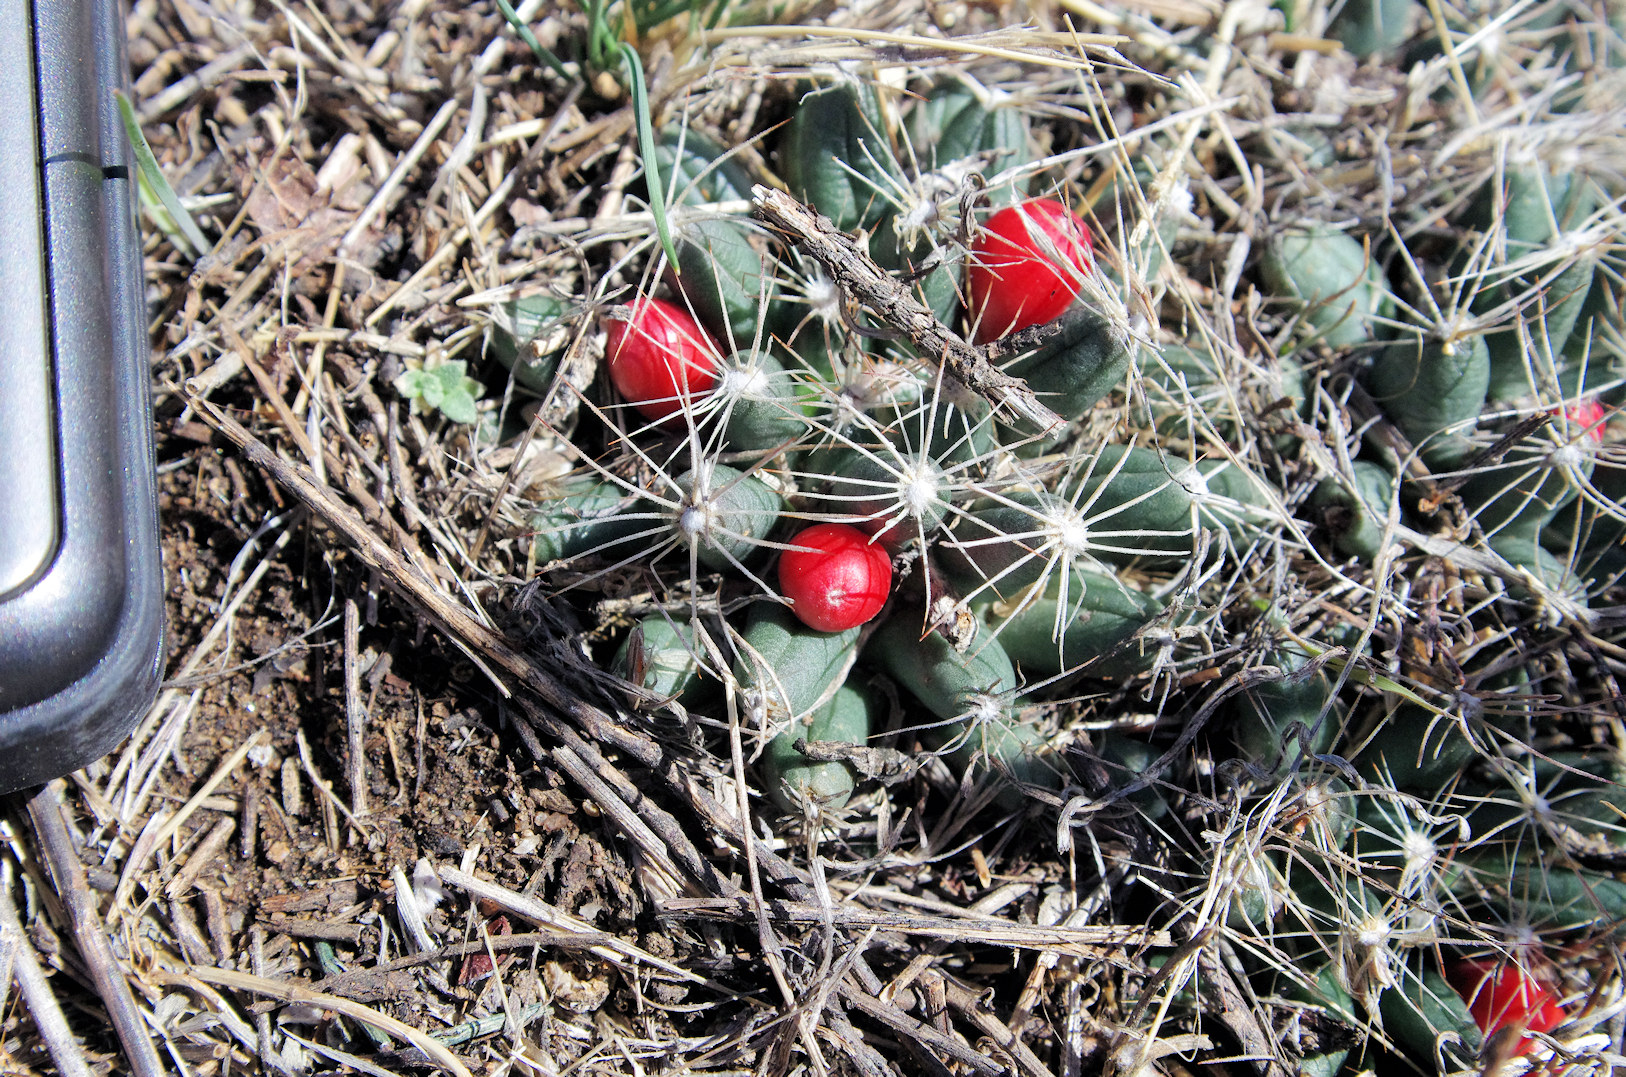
445,387
411,383
433,391
458,405
451,375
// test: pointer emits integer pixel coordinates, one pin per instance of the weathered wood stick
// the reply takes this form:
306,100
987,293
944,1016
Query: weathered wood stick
859,277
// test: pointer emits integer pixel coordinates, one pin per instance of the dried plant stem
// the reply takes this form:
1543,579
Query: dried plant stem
948,1044
348,981
90,933
664,825
1237,1012
17,956
292,992
1090,942
634,828
410,915
864,281
355,712
202,856
461,625
969,1003
538,911
265,1046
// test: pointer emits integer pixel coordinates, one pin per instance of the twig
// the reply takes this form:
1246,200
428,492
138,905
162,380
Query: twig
17,955
485,1026
406,907
461,625
632,827
1018,44
351,1063
229,1019
665,826
900,1022
1226,1001
270,1057
90,934
555,940
185,926
248,826
866,282
326,930
969,1003
232,598
400,478
223,67
268,388
355,714
323,792
987,930
136,862
214,917
538,911
472,635
201,857
292,992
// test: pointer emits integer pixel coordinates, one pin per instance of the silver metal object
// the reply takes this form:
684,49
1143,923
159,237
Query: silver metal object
81,590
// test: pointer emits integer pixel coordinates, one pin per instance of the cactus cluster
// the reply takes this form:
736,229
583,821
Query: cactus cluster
1305,597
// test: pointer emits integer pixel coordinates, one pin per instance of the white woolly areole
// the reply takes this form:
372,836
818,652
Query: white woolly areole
1569,457
1192,481
1372,931
1069,531
919,213
919,486
1418,848
1180,201
696,520
984,708
823,297
747,381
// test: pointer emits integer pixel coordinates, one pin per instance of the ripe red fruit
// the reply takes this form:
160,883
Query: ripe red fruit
1589,414
840,582
1027,267
1502,995
659,358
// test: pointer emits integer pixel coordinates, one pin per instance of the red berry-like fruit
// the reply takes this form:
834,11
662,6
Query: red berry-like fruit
659,358
1027,267
1504,995
1589,414
840,581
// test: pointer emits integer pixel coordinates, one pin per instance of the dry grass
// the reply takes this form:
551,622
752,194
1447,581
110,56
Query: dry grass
389,813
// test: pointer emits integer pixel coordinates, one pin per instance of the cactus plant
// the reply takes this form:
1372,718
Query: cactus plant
1367,788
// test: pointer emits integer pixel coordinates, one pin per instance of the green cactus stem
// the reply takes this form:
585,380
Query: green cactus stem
792,779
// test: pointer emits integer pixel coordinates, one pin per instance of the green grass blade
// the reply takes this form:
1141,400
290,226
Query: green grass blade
646,149
600,38
525,35
190,235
